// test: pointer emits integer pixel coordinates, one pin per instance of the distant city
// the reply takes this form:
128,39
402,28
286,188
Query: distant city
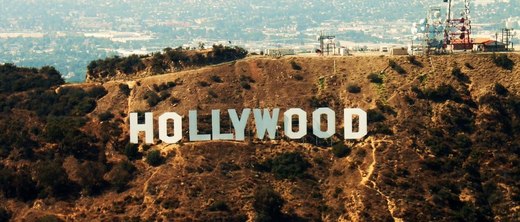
70,34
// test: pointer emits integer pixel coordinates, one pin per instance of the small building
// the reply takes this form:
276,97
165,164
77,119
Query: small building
279,52
488,45
461,44
399,51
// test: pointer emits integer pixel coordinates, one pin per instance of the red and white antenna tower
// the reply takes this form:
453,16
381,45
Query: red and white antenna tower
458,27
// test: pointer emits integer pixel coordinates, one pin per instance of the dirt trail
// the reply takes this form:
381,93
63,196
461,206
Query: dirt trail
365,177
256,73
371,167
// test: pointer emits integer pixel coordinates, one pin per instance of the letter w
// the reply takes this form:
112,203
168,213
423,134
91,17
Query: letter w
264,122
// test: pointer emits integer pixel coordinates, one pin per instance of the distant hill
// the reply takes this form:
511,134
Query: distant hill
443,144
160,62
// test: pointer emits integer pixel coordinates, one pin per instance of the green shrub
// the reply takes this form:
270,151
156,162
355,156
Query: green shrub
340,150
120,175
203,84
374,115
318,103
414,61
457,73
97,92
337,192
5,215
49,218
442,93
212,93
503,61
152,98
154,158
268,205
353,88
175,101
500,89
245,85
375,78
123,88
132,151
295,65
164,95
396,67
288,166
105,116
17,184
218,206
52,178
215,78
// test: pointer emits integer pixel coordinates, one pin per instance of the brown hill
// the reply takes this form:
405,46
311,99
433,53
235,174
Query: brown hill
443,145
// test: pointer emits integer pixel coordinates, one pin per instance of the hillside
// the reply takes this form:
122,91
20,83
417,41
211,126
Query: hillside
442,146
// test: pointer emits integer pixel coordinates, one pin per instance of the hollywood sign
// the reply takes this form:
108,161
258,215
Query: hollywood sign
266,123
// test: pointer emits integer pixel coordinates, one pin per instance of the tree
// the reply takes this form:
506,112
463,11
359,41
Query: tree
120,175
268,205
52,178
154,158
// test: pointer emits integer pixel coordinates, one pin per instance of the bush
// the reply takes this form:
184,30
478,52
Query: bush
164,95
288,166
132,151
295,66
212,93
97,92
374,115
298,77
49,218
245,85
152,98
503,61
52,178
215,78
175,101
500,89
457,73
5,215
268,205
17,184
353,88
105,116
219,206
120,175
203,84
318,103
340,150
442,93
414,61
154,158
123,88
375,78
396,67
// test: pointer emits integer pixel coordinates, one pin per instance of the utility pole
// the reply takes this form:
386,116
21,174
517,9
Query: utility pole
496,42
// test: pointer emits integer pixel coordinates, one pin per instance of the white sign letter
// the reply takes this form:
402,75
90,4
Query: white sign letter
302,123
266,123
177,127
331,123
215,125
194,132
239,124
146,127
363,129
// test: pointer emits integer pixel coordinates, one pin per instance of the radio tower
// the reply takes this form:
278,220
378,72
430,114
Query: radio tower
458,28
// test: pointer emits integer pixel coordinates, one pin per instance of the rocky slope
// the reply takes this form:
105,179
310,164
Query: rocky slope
442,146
